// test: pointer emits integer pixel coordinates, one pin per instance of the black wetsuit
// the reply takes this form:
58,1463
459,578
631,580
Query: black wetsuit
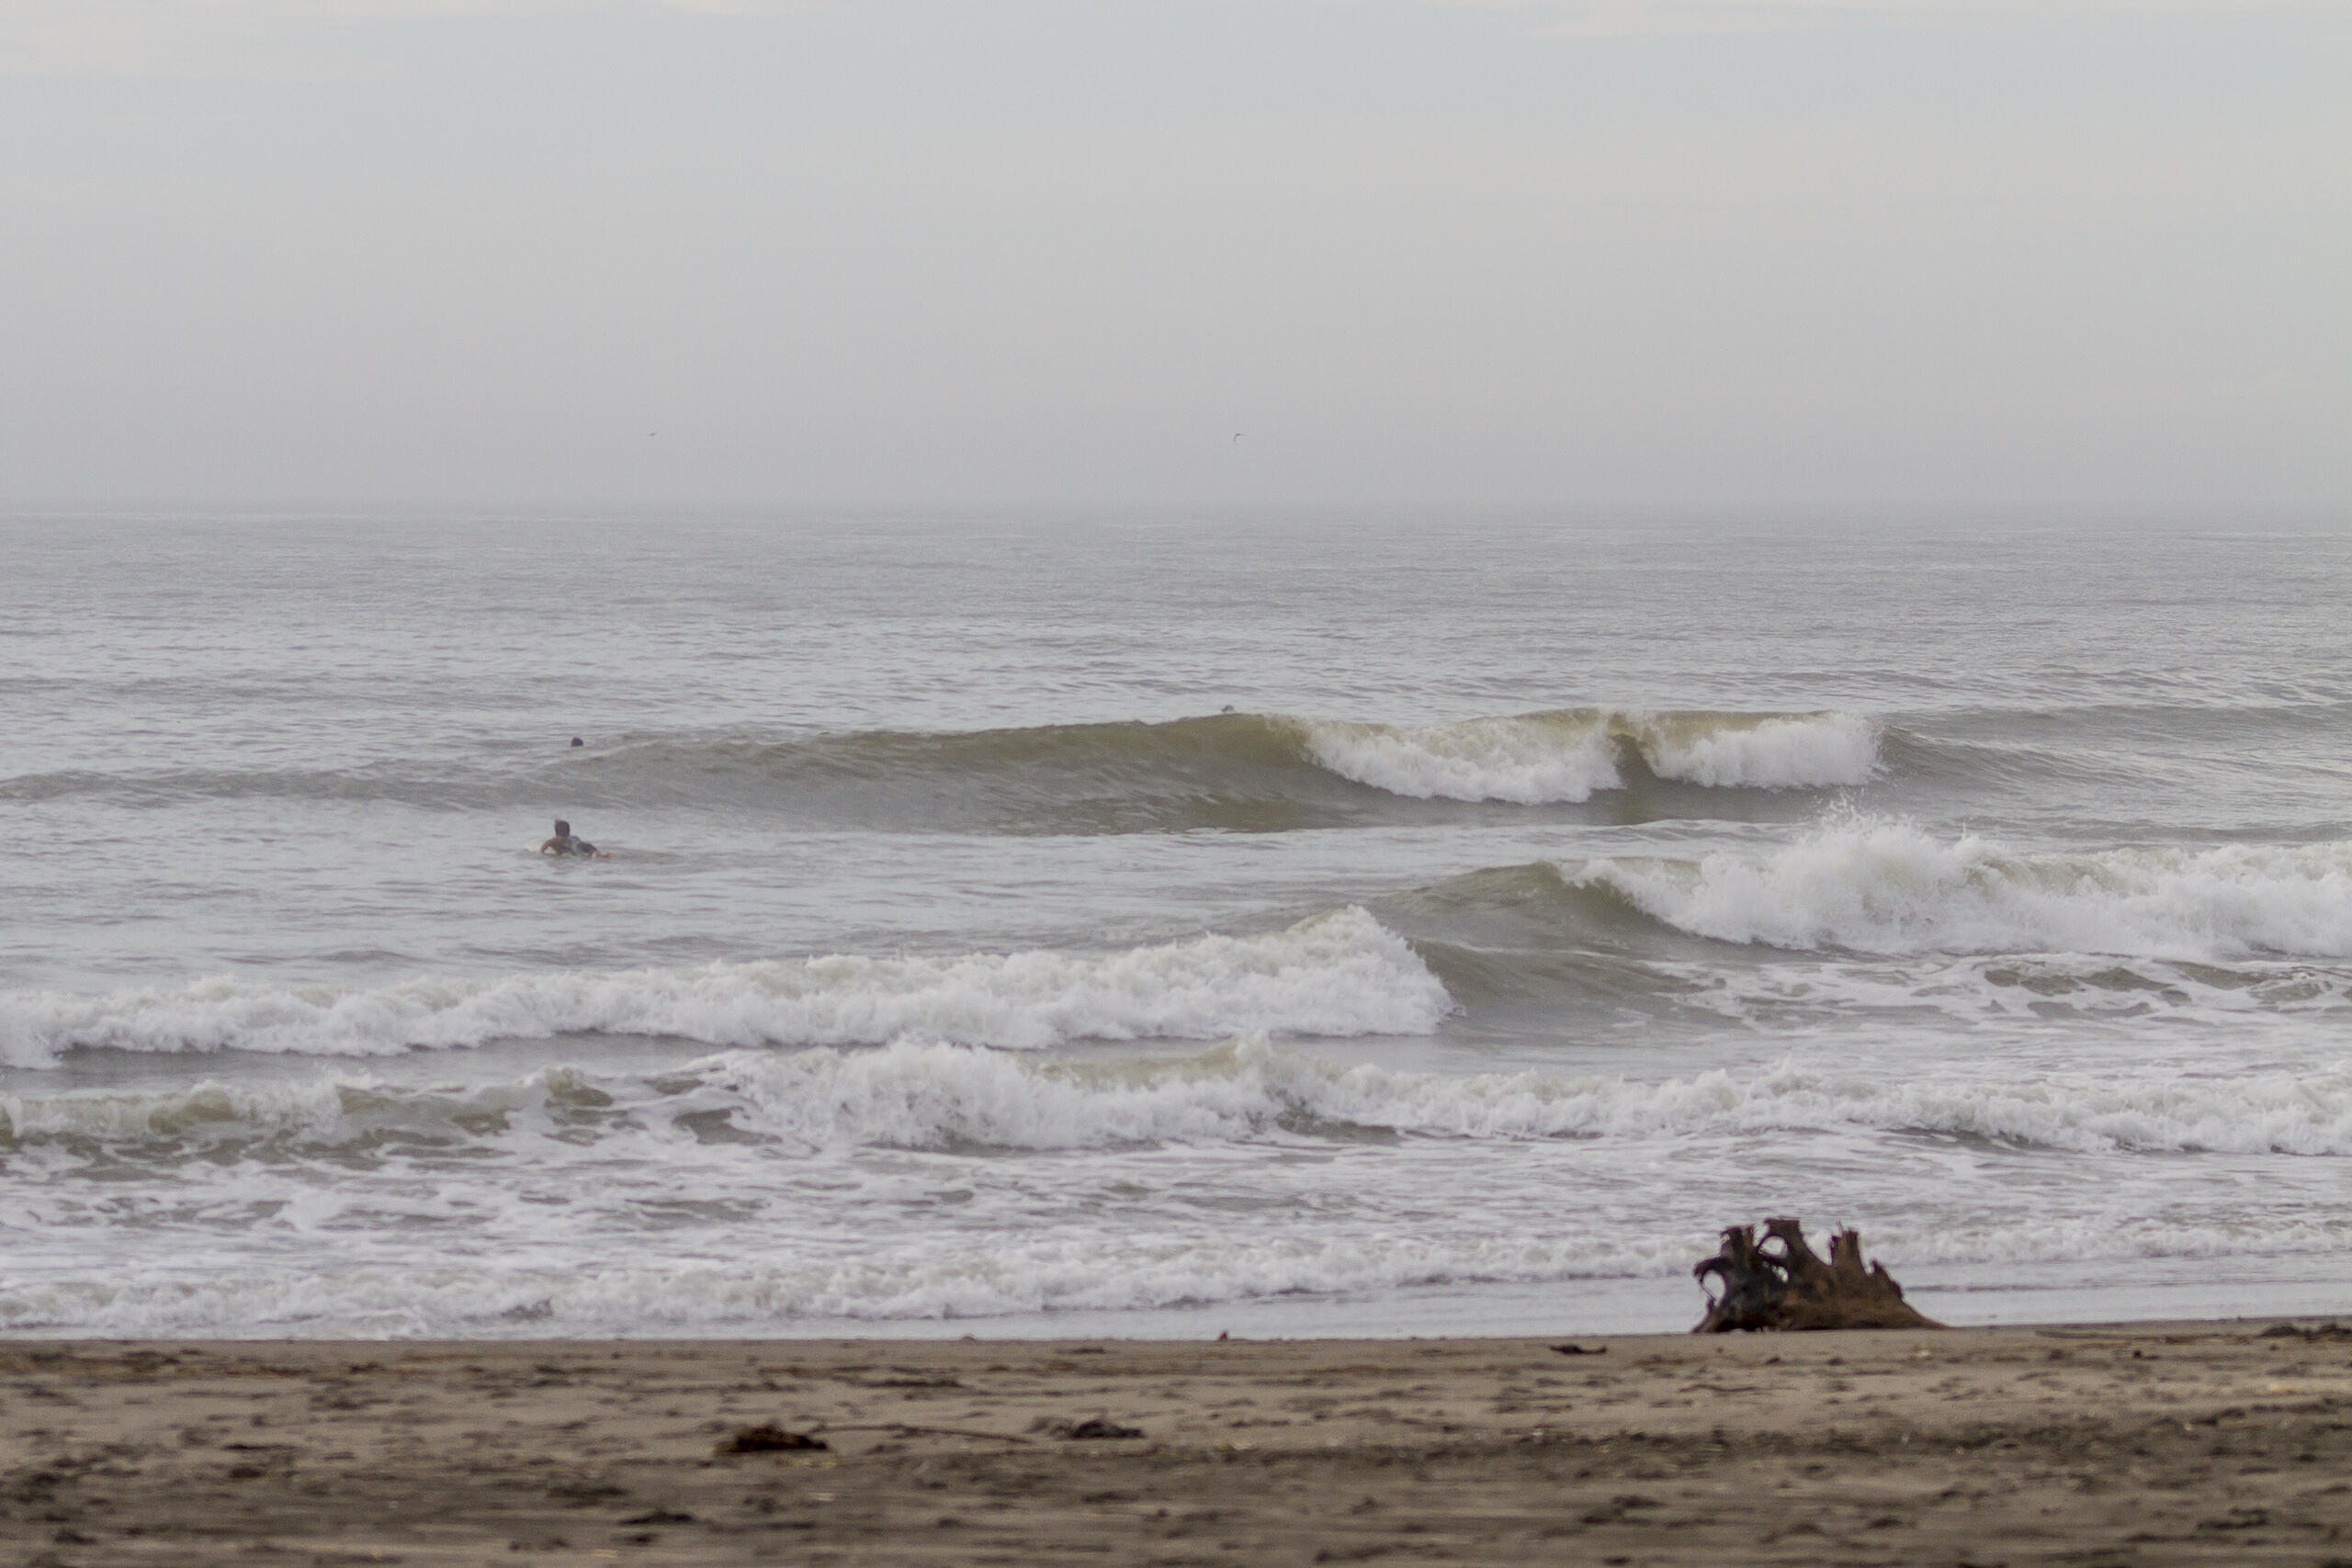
570,844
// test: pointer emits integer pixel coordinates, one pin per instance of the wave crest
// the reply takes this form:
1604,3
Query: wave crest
911,1095
1245,772
1568,756
1889,888
1338,973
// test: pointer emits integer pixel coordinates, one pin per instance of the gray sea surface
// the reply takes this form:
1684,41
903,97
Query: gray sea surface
1288,923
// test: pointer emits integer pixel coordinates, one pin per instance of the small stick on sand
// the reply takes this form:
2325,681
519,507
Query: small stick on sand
903,1429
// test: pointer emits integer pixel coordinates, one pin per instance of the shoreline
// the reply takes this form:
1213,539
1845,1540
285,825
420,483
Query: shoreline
2166,1442
2030,1295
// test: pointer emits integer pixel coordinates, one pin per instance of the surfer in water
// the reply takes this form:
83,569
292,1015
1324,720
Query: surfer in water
564,843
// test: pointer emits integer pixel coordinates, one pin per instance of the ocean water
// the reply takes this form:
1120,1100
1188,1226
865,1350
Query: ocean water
1284,923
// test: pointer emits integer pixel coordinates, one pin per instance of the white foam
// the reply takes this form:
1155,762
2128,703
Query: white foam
939,1097
778,1286
320,1111
2257,1113
2281,1000
1886,887
872,1184
1530,760
1338,973
884,1280
1797,751
1543,758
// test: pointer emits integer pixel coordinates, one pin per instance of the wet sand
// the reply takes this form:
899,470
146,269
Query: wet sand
2146,1444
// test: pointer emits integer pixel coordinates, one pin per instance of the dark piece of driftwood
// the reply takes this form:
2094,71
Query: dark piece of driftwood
2295,1331
767,1438
1093,1427
1781,1283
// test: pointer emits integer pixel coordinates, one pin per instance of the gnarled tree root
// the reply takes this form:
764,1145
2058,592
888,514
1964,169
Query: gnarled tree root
1788,1287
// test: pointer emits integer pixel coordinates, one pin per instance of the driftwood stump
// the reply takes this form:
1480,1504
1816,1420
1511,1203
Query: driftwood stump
1789,1287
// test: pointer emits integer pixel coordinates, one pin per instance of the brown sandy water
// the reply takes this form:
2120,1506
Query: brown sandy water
2163,1444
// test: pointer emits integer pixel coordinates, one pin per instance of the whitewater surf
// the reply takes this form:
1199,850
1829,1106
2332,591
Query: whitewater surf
1453,940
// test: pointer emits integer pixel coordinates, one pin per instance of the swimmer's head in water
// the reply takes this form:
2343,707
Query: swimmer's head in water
562,829
577,741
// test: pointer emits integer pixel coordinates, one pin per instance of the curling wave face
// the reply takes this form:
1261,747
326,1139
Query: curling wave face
1862,927
1337,973
1545,758
1220,769
1875,916
1889,888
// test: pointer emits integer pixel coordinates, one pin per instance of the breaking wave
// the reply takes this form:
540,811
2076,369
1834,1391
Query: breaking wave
940,1097
1338,973
936,1096
1255,771
1889,888
1543,758
1245,772
752,1189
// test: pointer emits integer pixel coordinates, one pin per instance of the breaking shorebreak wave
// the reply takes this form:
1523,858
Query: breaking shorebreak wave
1338,973
953,1098
856,1183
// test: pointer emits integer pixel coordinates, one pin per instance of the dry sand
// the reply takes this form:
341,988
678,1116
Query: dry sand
2203,1443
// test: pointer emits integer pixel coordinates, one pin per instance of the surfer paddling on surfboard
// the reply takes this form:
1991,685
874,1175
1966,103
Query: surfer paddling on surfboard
564,843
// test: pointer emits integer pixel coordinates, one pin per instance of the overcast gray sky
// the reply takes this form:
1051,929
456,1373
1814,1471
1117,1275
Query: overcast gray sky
1677,252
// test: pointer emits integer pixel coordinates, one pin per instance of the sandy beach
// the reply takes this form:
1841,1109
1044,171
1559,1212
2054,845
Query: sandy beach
2143,1444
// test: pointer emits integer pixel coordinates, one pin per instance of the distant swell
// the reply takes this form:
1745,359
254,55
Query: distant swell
1260,771
1340,974
1240,771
